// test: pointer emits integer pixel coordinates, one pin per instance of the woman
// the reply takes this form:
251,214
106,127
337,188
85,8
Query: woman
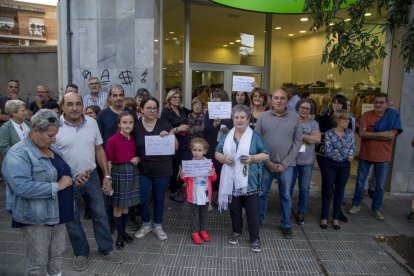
154,171
240,98
39,194
141,93
195,119
92,111
16,128
325,123
339,152
306,156
214,130
242,152
259,101
176,115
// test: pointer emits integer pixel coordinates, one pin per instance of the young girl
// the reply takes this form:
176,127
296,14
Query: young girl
199,191
122,161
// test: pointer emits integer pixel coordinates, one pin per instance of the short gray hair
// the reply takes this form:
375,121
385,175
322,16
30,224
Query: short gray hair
12,106
43,119
241,108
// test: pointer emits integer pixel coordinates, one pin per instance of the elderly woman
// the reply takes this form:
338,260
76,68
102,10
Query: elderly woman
306,156
242,153
259,101
177,116
195,119
16,128
154,171
240,98
39,194
339,152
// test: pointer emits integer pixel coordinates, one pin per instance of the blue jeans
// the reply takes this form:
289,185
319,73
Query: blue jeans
156,186
335,175
380,176
284,180
92,190
305,175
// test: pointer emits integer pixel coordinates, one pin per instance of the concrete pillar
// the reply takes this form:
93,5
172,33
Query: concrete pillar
112,40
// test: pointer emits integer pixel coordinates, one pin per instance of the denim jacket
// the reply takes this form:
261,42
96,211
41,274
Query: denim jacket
31,184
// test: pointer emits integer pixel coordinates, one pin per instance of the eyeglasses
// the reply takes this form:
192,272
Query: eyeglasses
151,109
379,102
245,170
52,120
304,108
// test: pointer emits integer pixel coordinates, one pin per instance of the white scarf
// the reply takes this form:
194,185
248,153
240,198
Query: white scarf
233,174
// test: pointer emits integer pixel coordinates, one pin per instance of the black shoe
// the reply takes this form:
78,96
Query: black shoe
128,239
336,226
176,197
119,244
342,217
300,219
410,217
287,233
86,215
323,226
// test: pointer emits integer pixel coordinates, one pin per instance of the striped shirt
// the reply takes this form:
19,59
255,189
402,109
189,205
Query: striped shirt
100,101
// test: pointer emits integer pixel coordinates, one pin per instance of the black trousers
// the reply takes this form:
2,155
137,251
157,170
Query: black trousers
251,205
198,217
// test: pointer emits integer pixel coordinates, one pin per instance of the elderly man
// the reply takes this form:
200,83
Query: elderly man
42,98
282,133
13,89
293,98
80,142
96,96
377,129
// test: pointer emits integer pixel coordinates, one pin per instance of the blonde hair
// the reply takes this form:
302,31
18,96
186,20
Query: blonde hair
339,115
199,140
171,94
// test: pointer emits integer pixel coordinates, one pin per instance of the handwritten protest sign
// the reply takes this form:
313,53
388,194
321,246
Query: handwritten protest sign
194,168
243,83
220,110
157,145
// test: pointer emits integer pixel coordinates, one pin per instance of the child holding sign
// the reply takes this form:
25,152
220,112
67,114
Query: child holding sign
199,191
122,162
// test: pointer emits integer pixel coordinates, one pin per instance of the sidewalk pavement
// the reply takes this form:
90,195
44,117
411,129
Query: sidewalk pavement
351,250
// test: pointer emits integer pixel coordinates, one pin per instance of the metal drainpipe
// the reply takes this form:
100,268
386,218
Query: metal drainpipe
69,41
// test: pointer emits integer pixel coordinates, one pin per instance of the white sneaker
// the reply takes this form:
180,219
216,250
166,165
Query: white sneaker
145,229
354,210
157,230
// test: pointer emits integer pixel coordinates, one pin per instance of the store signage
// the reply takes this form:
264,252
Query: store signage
271,6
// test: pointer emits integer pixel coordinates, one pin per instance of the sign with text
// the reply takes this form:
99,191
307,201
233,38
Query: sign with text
243,83
221,110
157,145
195,168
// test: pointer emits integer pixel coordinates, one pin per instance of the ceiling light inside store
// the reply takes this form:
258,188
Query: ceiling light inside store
165,68
155,40
367,14
238,40
290,34
304,19
225,45
231,43
174,38
278,28
302,31
171,32
167,39
180,61
348,19
331,24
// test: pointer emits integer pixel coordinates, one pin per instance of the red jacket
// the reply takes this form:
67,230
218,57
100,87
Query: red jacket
190,185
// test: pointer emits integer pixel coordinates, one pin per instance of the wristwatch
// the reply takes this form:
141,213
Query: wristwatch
108,177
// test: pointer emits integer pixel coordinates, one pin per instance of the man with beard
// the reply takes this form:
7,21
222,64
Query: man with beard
42,98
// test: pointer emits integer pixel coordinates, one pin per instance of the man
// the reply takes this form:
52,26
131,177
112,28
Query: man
13,89
282,133
71,88
293,98
42,97
108,125
377,129
80,142
96,97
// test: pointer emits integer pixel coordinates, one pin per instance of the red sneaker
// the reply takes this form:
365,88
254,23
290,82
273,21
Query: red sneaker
205,235
196,238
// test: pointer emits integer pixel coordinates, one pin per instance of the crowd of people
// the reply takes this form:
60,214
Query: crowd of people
95,148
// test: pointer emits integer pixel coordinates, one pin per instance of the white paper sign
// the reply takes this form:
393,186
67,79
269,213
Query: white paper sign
220,110
194,168
302,148
243,83
367,107
157,145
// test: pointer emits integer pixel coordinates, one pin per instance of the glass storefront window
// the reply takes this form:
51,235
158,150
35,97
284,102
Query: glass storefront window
204,82
227,36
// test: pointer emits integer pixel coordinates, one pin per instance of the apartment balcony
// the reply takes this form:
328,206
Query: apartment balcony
34,33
